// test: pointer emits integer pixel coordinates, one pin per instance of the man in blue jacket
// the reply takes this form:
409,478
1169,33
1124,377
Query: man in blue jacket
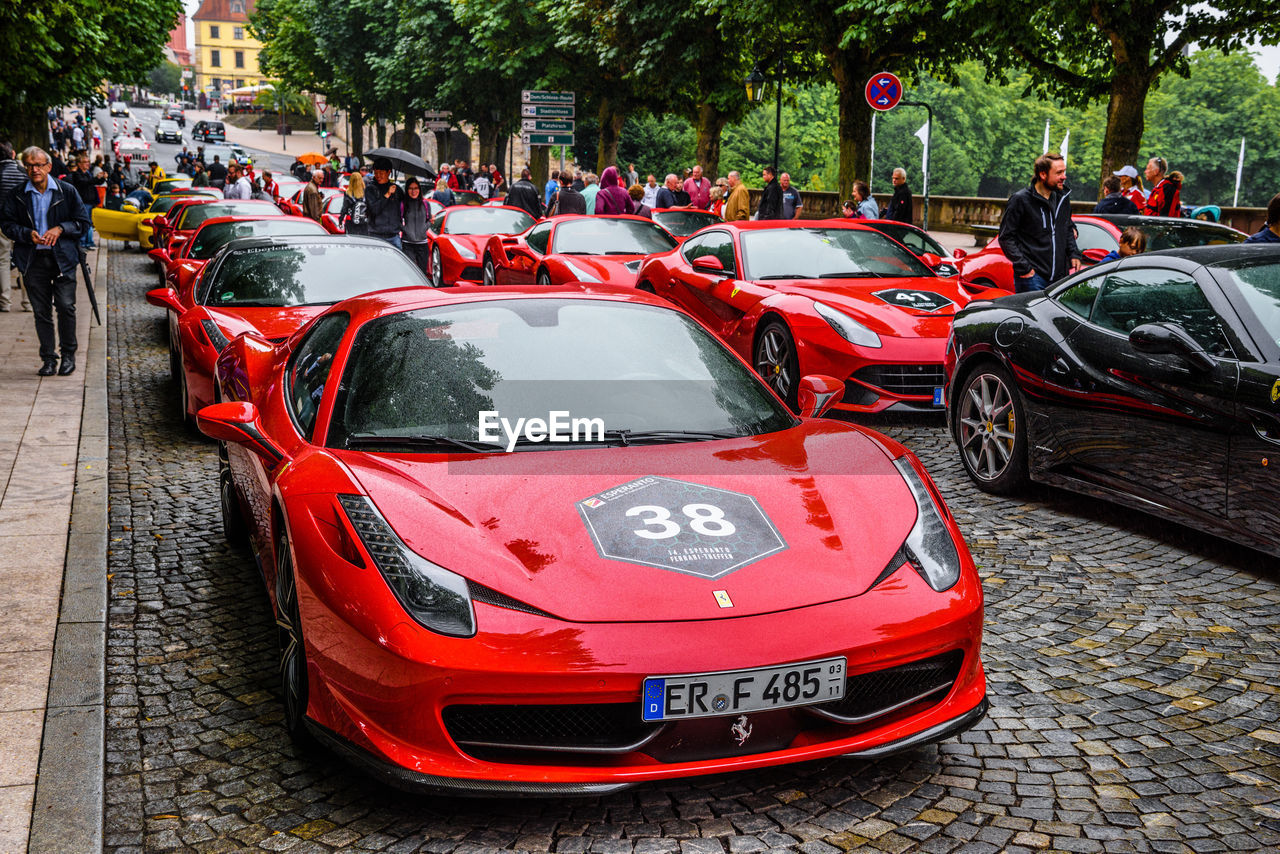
45,219
1035,231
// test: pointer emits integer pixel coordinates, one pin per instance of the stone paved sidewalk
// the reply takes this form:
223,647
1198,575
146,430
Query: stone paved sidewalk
48,465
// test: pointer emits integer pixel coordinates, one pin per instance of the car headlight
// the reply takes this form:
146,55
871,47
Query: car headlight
582,275
846,327
929,547
465,251
216,338
435,597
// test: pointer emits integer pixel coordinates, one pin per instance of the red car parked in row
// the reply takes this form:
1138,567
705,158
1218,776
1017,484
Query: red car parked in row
575,248
705,584
458,235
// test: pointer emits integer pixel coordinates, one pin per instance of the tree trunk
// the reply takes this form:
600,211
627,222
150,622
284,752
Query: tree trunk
355,115
851,74
382,132
1125,119
25,127
540,165
611,119
488,134
503,141
709,123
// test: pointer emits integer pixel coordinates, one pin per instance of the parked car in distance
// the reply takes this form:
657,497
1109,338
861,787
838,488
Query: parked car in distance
119,108
207,131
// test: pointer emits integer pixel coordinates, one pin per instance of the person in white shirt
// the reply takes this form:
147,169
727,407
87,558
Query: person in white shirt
237,186
650,193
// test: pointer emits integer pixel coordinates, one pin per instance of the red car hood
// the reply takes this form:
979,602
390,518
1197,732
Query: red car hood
891,312
272,323
611,269
524,524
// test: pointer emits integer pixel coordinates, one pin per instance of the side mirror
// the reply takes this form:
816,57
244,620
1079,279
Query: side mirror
159,255
817,394
959,253
1172,339
165,298
239,423
930,260
708,264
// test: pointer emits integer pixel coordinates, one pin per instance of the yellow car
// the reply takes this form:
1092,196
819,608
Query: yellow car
129,223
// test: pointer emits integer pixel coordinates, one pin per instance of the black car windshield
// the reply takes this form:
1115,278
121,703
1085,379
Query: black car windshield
826,253
197,214
598,236
1177,235
684,223
642,371
305,273
163,203
487,221
1259,283
211,238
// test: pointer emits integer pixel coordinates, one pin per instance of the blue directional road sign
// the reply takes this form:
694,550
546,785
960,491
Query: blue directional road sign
884,91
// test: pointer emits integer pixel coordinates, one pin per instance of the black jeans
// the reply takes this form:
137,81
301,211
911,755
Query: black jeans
47,288
419,254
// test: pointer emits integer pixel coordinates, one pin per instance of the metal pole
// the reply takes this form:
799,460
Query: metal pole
928,136
872,168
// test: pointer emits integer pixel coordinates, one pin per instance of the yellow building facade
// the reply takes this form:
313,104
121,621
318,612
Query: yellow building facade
226,55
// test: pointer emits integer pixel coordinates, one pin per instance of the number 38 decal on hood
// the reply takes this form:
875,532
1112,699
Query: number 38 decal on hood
685,527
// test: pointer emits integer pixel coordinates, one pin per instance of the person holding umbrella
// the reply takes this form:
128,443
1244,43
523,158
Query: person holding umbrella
385,201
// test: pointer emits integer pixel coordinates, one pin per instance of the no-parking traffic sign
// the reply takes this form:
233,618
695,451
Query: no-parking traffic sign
884,91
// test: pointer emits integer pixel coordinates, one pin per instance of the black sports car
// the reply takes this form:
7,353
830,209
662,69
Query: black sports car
1153,381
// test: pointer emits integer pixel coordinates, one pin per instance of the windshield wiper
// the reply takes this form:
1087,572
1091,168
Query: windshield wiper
783,276
378,439
633,437
255,303
860,274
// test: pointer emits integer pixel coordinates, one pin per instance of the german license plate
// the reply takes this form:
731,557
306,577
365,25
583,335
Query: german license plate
732,692
937,396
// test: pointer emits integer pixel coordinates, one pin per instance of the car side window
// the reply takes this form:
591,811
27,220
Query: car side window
1092,237
437,223
538,238
1131,298
1079,298
310,370
717,243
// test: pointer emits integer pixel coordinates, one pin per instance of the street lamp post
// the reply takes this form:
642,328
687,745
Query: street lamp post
755,91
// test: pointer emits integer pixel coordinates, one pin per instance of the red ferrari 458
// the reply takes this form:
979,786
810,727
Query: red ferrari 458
824,297
574,248
457,236
564,542
270,285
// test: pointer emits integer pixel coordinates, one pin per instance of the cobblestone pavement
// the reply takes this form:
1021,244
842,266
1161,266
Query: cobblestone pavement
1133,667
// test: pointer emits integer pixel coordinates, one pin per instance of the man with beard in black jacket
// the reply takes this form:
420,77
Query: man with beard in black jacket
771,199
1035,231
384,201
524,195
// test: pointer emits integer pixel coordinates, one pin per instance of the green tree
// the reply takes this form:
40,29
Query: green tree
57,53
165,79
1081,51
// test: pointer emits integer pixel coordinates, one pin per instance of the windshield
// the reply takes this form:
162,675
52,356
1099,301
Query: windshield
826,253
638,368
197,214
917,241
1176,235
163,203
1259,284
597,236
304,273
211,238
684,223
487,221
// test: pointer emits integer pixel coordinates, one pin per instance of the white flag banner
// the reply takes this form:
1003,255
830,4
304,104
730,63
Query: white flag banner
1045,150
1065,140
1235,202
923,136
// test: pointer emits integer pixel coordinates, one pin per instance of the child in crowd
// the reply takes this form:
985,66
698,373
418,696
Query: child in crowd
1132,242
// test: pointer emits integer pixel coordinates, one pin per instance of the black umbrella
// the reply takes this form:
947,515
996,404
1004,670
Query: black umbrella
402,160
88,284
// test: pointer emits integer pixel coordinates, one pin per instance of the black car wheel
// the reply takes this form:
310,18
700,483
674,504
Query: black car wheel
776,362
293,653
991,431
186,420
437,269
489,274
234,529
544,278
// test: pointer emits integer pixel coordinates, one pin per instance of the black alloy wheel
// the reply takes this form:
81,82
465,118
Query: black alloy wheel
991,431
776,362
293,654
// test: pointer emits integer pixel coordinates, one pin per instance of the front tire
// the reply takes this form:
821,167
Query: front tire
776,362
991,431
489,273
294,680
437,269
234,529
544,278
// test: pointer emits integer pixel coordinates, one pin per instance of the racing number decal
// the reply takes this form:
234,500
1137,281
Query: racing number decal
684,527
706,519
